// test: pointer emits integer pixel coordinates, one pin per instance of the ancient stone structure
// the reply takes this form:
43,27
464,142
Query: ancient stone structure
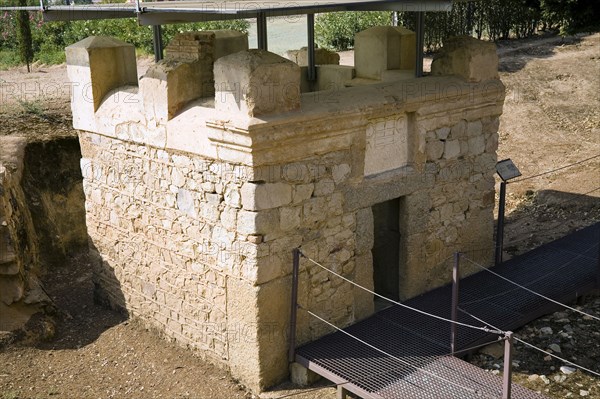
194,204
21,295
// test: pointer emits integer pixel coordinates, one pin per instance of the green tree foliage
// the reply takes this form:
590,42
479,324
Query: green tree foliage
24,36
337,30
50,39
571,15
489,19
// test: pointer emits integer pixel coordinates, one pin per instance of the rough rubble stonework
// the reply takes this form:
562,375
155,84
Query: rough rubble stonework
21,295
193,218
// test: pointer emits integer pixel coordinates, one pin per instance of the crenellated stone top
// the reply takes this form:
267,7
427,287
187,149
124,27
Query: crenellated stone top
214,97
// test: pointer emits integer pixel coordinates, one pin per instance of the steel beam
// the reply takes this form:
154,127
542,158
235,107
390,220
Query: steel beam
312,69
420,32
261,31
157,42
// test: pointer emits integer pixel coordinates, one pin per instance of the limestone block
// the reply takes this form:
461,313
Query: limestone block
435,149
387,145
382,48
474,128
193,46
476,145
170,84
492,143
340,172
334,77
302,192
95,66
364,231
442,133
302,376
186,73
255,83
258,223
473,60
322,56
257,197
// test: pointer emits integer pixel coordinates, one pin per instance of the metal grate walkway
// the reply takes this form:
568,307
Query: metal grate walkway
419,366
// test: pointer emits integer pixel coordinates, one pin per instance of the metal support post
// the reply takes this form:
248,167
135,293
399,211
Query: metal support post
157,43
394,18
500,226
507,377
598,266
342,393
311,70
261,30
455,282
294,309
420,28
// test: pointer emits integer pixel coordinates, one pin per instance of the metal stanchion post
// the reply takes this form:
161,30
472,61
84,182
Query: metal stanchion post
507,378
294,306
455,282
500,228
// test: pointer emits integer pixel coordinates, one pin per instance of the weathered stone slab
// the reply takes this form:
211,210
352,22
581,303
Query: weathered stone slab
382,48
256,82
472,59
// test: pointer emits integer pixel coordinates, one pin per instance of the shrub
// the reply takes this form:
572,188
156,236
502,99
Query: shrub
336,31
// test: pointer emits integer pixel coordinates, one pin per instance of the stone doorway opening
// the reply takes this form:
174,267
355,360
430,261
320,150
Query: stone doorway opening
387,250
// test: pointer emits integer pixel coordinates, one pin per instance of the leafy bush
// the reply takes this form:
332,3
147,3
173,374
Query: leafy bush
491,19
336,30
571,15
50,39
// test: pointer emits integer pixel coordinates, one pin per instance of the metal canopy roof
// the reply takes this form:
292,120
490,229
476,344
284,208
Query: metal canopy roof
157,13
168,12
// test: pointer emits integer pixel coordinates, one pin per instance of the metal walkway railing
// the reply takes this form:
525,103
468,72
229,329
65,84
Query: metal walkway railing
404,351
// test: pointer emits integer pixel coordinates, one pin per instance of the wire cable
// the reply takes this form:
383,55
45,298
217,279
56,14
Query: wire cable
555,170
392,356
368,376
531,291
487,330
531,282
533,346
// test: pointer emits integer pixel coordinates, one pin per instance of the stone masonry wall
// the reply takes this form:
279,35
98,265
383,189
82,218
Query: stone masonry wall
193,216
174,217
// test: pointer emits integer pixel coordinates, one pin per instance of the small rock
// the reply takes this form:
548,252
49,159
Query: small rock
533,377
568,328
545,379
554,348
547,358
546,331
567,370
560,315
495,350
583,392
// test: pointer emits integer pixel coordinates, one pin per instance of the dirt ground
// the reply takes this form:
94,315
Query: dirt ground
551,119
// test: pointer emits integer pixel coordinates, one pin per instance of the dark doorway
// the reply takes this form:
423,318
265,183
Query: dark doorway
386,251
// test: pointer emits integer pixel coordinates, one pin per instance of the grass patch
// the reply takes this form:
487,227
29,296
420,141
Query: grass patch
8,59
50,55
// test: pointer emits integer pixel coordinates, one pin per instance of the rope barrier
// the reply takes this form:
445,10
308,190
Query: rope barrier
485,329
555,170
533,346
390,355
531,291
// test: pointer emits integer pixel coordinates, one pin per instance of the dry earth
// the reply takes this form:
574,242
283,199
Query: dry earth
551,119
